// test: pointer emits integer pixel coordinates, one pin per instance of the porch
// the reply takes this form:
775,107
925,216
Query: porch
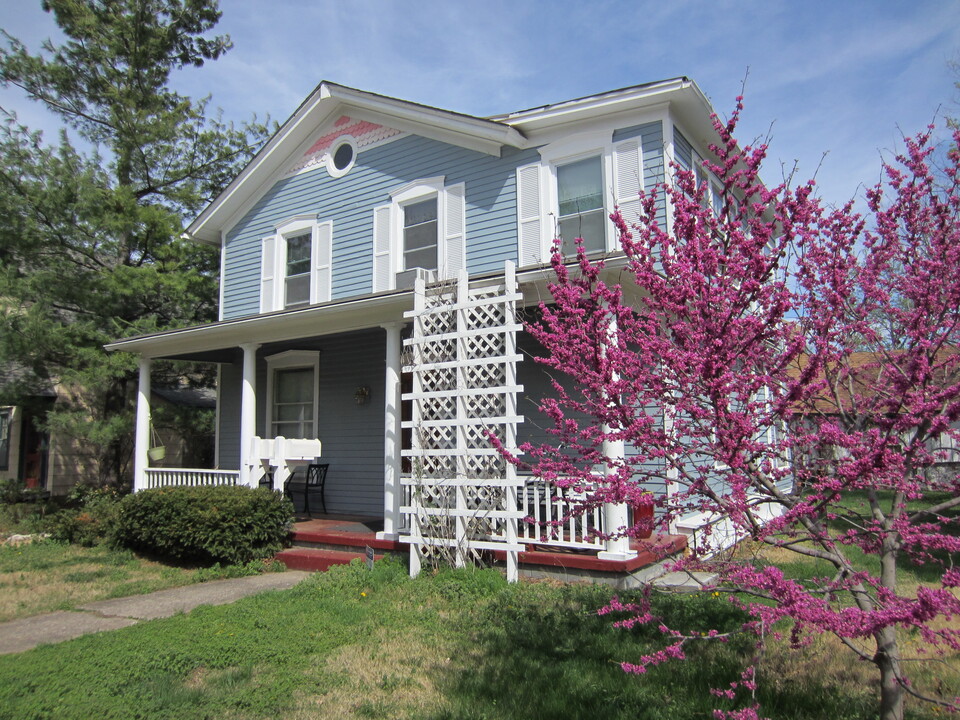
319,543
389,391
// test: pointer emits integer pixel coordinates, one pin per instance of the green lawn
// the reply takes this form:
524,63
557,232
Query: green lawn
355,644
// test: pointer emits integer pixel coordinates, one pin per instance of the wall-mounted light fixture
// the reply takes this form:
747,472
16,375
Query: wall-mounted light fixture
362,394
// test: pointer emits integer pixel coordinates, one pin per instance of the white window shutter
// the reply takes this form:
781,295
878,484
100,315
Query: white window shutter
268,274
382,265
628,175
529,215
322,263
455,240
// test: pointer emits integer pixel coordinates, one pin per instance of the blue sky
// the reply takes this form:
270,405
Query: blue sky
847,78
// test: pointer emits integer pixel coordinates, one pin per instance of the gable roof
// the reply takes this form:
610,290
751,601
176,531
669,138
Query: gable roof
488,135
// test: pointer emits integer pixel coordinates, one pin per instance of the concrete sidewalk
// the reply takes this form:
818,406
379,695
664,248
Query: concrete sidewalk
19,635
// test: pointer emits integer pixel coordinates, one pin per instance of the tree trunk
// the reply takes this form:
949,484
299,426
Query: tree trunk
887,660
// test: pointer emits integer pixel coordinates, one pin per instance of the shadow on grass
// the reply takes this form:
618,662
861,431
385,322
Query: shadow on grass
543,652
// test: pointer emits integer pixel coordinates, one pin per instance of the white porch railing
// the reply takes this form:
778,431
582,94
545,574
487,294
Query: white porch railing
189,477
549,507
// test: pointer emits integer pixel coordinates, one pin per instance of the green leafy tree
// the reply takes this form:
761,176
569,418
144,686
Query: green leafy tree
90,245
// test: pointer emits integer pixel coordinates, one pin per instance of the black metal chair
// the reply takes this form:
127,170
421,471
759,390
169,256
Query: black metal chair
312,484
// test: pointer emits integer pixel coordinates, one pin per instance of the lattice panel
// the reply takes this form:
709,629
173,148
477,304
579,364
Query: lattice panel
486,316
485,376
463,359
487,406
438,408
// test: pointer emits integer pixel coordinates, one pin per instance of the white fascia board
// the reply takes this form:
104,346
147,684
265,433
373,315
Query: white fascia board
285,325
265,164
586,110
422,118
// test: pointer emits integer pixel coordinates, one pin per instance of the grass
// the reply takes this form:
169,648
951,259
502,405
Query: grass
350,643
45,576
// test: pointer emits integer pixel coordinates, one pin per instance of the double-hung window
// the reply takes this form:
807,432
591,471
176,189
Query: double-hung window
424,226
292,379
295,264
571,192
420,235
581,207
297,278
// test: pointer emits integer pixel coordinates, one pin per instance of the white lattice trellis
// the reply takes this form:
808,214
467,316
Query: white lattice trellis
463,359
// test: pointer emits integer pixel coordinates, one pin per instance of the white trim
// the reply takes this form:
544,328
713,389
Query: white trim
332,169
292,359
223,273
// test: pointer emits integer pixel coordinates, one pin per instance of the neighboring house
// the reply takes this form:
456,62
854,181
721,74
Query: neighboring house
56,462
331,240
40,460
858,392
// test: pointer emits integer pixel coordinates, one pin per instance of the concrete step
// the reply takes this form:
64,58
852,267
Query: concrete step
318,560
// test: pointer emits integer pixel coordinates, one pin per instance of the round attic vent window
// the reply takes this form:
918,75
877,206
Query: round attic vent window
343,156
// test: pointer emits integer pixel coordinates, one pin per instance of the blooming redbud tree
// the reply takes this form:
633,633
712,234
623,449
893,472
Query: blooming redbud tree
790,371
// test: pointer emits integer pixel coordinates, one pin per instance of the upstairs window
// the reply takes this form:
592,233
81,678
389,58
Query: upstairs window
420,235
423,226
581,211
295,264
297,280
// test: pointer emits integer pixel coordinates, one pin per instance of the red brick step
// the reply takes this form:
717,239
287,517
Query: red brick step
317,560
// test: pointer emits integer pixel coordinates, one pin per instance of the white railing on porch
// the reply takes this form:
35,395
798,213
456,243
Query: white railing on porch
548,509
189,477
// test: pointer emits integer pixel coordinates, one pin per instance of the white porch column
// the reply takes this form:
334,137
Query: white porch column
248,411
392,491
142,435
615,517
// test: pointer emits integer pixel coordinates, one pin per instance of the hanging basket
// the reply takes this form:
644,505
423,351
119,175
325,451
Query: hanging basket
158,452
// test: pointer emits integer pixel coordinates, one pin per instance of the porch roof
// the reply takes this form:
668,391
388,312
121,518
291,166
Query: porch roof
215,341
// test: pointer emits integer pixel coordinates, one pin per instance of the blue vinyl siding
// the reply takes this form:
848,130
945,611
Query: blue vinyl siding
231,381
349,201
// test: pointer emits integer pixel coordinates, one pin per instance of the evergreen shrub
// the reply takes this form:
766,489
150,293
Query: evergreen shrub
207,525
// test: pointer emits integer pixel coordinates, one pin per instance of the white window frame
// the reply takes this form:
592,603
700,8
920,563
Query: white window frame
389,227
570,150
411,194
538,205
274,261
292,360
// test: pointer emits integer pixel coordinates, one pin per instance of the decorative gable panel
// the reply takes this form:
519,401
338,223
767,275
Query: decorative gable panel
365,134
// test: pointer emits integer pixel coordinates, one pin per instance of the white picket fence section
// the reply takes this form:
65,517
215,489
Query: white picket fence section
189,477
461,499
